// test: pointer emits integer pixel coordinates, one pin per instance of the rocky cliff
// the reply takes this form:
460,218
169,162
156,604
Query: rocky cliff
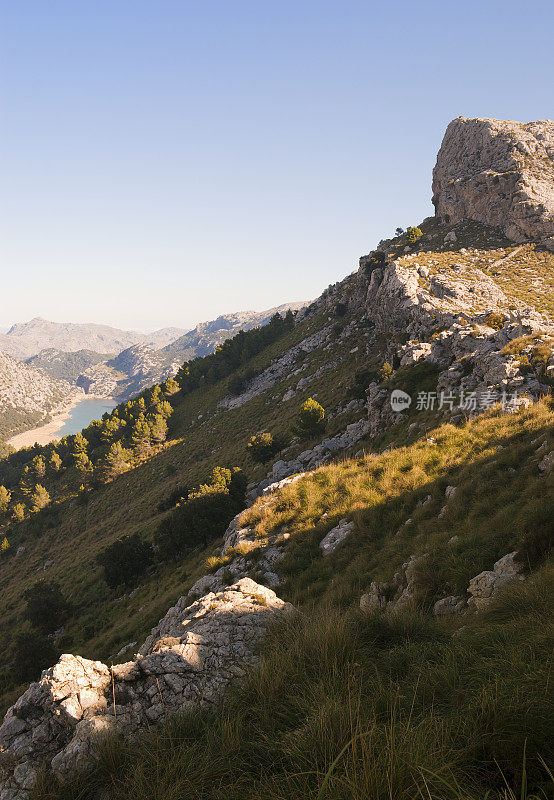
27,395
500,173
131,371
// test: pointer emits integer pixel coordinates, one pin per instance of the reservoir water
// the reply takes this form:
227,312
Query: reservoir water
83,414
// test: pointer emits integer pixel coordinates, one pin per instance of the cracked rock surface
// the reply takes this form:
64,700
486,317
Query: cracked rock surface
190,657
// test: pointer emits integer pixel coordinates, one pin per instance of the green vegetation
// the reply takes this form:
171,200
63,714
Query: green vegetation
385,373
125,561
46,607
413,235
204,515
311,419
232,354
401,705
33,653
262,446
495,321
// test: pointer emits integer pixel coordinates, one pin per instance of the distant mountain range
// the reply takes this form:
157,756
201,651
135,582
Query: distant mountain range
27,339
43,363
203,339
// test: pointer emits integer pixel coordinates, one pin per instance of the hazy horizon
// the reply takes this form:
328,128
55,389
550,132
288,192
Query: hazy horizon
164,164
5,327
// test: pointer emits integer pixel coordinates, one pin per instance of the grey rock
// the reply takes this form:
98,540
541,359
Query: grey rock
188,659
497,172
336,535
449,606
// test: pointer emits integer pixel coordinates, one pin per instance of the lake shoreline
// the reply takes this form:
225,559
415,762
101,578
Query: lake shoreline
47,433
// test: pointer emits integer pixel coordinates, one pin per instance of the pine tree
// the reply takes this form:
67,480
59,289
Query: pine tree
79,443
164,408
55,462
140,434
114,462
82,463
38,467
26,482
5,497
18,512
5,544
79,452
170,387
39,498
158,427
110,429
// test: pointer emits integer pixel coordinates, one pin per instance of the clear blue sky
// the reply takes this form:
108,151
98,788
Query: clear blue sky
164,162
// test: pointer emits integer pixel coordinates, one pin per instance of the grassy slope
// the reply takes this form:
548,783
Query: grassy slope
397,705
102,623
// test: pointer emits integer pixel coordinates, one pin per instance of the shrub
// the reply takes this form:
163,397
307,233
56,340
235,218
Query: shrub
176,496
385,372
413,235
495,321
33,654
125,560
204,515
238,383
340,309
362,379
263,446
311,419
46,606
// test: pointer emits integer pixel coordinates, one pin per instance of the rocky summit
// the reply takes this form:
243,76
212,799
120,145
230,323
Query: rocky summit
500,173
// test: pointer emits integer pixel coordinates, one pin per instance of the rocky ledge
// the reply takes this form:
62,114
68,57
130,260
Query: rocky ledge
189,658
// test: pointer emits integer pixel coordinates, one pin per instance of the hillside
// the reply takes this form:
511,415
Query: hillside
399,553
27,396
65,366
205,337
128,373
141,366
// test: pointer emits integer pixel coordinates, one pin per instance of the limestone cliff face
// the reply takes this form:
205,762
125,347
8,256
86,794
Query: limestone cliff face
27,389
500,173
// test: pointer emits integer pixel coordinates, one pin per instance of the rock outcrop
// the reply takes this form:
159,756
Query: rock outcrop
189,658
500,173
400,593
